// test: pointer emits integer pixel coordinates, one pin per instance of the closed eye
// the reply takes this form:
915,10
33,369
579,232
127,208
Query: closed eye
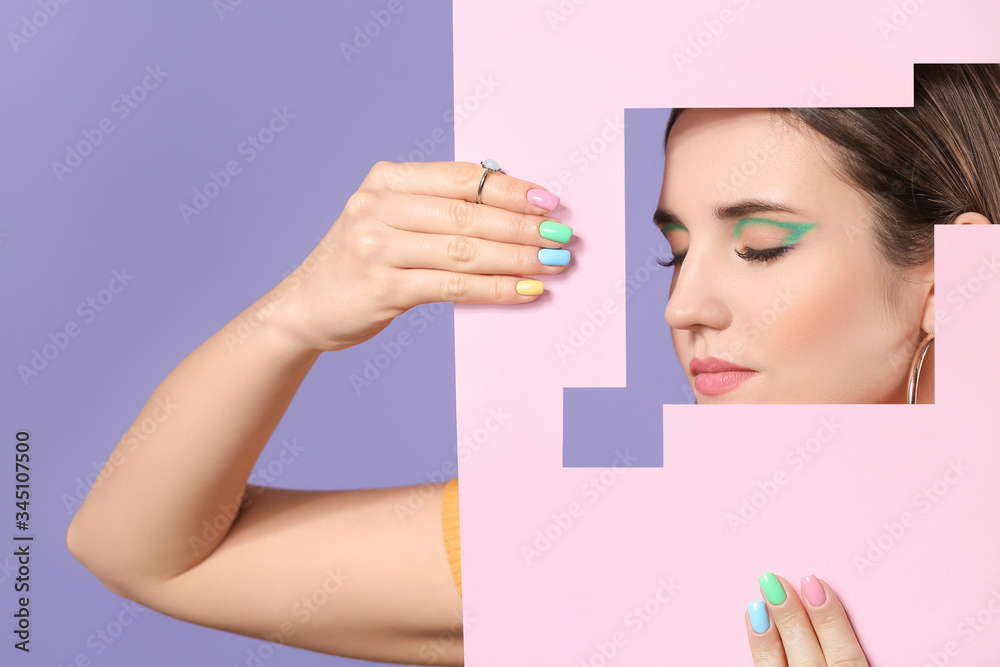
677,258
765,255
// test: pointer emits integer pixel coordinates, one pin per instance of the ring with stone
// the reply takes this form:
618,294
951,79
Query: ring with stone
490,166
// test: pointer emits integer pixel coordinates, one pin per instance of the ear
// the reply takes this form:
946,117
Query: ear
927,324
971,219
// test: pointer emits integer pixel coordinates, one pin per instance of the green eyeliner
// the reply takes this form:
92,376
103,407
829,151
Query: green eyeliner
798,228
670,228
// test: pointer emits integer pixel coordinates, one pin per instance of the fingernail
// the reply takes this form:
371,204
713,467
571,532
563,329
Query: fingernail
758,617
555,231
543,198
771,588
813,590
529,287
553,256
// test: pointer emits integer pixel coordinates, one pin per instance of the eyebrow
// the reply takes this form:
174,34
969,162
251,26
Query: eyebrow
727,211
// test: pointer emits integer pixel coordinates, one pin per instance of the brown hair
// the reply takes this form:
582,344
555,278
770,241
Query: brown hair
922,165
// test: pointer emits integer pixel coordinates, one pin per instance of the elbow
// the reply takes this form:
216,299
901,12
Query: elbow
76,540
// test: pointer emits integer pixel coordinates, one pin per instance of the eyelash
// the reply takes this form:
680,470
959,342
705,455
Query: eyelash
765,255
750,254
673,261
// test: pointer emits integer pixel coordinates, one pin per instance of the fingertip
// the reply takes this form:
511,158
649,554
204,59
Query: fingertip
814,590
542,198
529,287
757,617
773,588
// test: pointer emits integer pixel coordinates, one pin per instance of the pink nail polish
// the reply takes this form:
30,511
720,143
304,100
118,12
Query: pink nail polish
813,590
543,198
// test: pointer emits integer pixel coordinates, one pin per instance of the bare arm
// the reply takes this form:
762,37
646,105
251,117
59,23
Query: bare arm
333,571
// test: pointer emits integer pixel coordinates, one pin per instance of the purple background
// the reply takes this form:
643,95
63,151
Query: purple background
61,240
598,421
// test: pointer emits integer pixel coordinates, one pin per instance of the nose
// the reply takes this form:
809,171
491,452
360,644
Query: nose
696,298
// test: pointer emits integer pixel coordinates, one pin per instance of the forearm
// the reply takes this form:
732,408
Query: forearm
184,463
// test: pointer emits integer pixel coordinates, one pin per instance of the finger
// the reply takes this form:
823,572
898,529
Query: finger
765,643
431,285
833,628
792,621
440,215
460,180
462,254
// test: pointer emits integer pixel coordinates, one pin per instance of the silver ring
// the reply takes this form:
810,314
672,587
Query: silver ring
490,166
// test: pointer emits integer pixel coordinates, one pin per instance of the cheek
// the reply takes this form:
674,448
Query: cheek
827,331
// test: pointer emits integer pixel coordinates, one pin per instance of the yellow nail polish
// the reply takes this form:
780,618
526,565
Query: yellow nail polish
529,287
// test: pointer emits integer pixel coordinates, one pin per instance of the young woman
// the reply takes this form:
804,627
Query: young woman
839,213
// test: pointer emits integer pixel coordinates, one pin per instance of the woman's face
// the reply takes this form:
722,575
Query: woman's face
780,275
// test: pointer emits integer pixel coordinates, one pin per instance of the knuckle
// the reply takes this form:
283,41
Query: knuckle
361,204
463,173
456,287
829,623
527,261
380,168
500,293
461,250
527,227
848,662
368,246
462,214
509,191
768,654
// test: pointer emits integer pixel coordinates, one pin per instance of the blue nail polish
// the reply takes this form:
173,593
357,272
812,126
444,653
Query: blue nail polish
758,617
553,256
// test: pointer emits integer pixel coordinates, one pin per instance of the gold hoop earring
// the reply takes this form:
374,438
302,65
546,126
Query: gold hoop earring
918,360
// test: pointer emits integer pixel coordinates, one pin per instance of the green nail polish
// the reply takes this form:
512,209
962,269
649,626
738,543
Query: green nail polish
771,588
555,231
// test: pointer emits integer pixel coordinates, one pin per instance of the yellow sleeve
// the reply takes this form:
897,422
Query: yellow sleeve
449,522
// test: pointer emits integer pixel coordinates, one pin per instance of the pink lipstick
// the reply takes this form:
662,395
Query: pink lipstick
714,377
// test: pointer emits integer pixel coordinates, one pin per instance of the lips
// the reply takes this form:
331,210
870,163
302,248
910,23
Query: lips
713,365
714,376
